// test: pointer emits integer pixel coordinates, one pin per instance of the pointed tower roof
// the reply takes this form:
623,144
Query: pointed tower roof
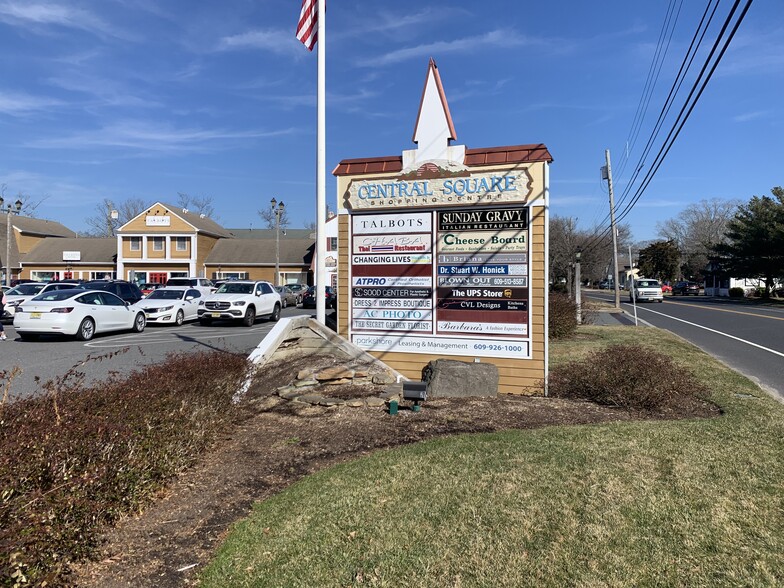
433,129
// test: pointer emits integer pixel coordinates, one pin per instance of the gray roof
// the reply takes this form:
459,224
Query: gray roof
30,226
293,252
270,233
95,251
203,223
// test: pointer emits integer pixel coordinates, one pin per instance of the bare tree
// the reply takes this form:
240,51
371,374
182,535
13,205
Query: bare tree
103,223
198,204
29,205
268,216
696,230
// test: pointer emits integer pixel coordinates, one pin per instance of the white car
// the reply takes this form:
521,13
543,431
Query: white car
241,300
78,312
24,292
645,289
171,305
203,285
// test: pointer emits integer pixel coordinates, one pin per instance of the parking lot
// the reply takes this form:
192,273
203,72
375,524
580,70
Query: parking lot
50,357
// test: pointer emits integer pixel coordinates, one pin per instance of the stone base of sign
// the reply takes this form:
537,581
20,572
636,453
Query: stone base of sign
451,378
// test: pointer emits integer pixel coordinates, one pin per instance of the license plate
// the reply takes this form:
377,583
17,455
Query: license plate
35,315
215,315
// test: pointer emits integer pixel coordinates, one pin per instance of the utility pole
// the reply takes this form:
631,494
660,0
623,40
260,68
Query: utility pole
607,175
577,280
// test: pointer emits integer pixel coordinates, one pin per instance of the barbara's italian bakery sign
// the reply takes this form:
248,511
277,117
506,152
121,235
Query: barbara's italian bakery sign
445,253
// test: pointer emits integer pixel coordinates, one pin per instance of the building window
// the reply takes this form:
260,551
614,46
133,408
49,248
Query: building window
332,243
136,243
157,243
182,244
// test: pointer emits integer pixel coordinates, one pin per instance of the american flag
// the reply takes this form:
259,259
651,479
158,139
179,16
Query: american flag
307,27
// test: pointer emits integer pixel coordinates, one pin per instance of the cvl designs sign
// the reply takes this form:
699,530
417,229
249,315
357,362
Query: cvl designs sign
482,188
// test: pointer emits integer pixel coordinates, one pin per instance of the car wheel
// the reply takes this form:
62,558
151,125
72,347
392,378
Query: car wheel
28,336
180,318
285,304
205,322
86,330
139,323
250,316
275,316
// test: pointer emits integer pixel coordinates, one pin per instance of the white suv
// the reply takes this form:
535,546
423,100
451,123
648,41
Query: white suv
645,289
203,285
241,300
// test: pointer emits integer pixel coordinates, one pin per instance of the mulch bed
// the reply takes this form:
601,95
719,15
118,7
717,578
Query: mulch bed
276,442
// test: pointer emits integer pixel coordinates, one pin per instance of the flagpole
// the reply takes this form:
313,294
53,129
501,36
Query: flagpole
321,171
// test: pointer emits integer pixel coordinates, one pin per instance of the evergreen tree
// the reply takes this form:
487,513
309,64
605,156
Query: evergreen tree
755,240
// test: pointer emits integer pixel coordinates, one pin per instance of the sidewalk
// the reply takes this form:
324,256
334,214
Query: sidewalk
609,317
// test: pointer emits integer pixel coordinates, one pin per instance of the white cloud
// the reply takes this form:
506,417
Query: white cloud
23,104
48,14
274,41
749,116
151,137
497,38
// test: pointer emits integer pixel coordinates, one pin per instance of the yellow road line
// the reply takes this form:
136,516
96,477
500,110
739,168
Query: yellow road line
775,318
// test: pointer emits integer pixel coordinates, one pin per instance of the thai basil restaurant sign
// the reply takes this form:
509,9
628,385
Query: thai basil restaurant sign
451,282
484,188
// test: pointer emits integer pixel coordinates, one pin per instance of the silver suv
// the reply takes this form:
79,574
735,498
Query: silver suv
241,300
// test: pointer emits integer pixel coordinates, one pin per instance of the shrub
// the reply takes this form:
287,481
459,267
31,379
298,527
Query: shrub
76,458
737,292
625,376
563,316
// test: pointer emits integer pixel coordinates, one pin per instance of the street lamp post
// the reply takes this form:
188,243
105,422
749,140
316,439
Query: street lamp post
9,209
577,293
277,210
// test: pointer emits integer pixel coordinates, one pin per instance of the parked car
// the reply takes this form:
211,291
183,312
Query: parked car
241,300
147,288
204,285
309,298
686,288
606,285
173,305
128,291
643,289
287,296
666,288
76,312
26,291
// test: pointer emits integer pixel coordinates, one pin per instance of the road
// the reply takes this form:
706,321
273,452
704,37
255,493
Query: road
50,357
747,337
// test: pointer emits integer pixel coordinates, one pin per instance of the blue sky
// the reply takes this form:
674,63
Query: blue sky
147,98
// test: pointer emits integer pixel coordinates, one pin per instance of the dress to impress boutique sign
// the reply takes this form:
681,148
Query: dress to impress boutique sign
451,282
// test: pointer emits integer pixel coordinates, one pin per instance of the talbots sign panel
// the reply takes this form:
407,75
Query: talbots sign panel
481,188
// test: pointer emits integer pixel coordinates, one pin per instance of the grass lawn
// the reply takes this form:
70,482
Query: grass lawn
656,503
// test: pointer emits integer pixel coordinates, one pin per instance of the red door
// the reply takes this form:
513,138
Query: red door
158,278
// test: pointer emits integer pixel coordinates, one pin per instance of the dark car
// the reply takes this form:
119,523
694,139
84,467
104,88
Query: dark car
128,291
686,288
309,298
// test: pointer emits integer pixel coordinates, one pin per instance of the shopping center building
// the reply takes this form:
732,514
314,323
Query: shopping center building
163,241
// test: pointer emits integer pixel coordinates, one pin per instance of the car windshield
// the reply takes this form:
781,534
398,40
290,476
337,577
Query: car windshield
235,289
166,295
26,290
55,295
178,282
647,284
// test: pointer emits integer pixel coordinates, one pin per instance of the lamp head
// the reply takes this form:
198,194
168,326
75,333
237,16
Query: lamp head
273,203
